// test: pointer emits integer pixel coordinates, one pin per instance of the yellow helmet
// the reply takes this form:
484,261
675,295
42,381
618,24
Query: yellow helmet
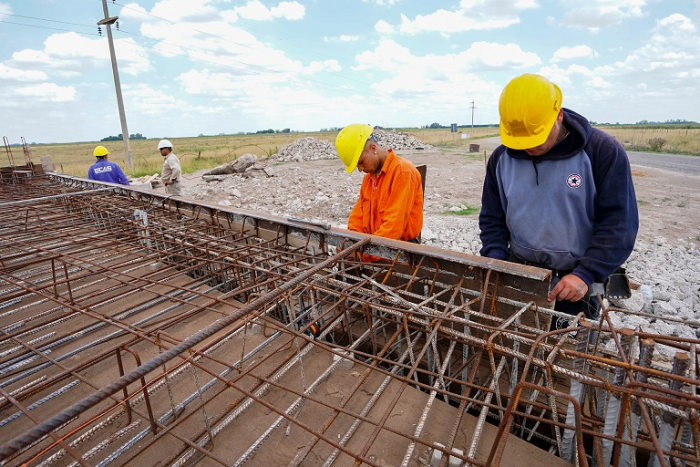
100,151
351,142
528,106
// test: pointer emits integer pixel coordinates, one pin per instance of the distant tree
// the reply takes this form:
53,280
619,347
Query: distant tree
285,130
113,138
435,125
119,137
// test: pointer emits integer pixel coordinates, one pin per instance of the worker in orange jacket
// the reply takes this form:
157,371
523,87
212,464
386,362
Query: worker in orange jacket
391,197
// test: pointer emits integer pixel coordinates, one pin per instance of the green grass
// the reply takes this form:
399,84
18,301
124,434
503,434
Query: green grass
463,212
486,136
475,156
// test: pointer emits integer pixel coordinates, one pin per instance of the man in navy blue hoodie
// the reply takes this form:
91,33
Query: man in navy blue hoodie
105,171
558,194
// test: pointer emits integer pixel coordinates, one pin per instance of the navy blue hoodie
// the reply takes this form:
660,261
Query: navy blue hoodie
573,208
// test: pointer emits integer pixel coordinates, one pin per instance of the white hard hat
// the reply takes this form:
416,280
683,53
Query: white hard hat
164,143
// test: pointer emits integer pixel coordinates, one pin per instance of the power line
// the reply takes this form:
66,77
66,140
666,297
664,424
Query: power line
91,26
50,28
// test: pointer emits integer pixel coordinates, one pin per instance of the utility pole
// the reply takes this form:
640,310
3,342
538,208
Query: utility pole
473,117
107,22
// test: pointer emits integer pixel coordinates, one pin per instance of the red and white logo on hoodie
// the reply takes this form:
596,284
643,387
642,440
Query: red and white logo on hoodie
574,180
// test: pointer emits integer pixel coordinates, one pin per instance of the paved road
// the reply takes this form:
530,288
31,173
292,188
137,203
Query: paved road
687,165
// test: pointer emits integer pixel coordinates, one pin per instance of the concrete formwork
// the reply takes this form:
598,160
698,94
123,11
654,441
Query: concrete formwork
137,329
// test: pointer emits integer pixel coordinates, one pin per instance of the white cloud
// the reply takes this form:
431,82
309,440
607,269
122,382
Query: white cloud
265,102
342,38
192,11
472,15
48,92
133,11
657,77
5,11
446,22
577,51
382,2
70,55
289,10
389,56
220,45
15,74
208,83
671,55
676,21
146,100
447,82
382,27
314,67
255,10
597,14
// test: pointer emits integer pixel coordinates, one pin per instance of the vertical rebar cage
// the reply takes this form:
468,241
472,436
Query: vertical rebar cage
138,329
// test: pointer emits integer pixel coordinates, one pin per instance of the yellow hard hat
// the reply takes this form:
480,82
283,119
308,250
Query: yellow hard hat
100,151
528,106
351,142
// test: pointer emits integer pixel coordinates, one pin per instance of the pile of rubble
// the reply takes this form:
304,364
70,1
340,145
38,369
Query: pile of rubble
398,141
312,149
306,149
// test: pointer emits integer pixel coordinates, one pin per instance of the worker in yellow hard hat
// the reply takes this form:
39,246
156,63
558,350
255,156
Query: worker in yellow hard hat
558,194
391,196
104,170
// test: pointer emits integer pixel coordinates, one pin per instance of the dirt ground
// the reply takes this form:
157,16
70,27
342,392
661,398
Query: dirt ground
669,202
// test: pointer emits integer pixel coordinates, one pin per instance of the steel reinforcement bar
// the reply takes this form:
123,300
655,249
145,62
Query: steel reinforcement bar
138,329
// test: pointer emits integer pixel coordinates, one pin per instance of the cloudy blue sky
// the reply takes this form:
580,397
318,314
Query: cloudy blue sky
191,67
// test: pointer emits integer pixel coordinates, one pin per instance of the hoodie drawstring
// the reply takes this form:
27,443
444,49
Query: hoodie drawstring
537,174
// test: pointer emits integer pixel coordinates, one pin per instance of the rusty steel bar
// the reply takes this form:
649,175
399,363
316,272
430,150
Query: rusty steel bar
27,438
246,322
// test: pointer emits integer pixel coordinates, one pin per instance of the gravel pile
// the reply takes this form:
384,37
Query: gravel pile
306,149
312,149
398,141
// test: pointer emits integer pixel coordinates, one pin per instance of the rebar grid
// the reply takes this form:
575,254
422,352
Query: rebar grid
137,329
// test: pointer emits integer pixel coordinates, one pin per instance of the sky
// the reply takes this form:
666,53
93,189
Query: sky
191,67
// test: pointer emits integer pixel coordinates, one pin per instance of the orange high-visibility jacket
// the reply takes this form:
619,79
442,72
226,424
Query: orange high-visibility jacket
391,203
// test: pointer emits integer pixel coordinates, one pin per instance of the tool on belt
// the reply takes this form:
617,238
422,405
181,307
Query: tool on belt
618,285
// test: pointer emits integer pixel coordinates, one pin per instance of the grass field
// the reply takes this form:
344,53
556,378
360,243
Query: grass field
209,151
674,140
